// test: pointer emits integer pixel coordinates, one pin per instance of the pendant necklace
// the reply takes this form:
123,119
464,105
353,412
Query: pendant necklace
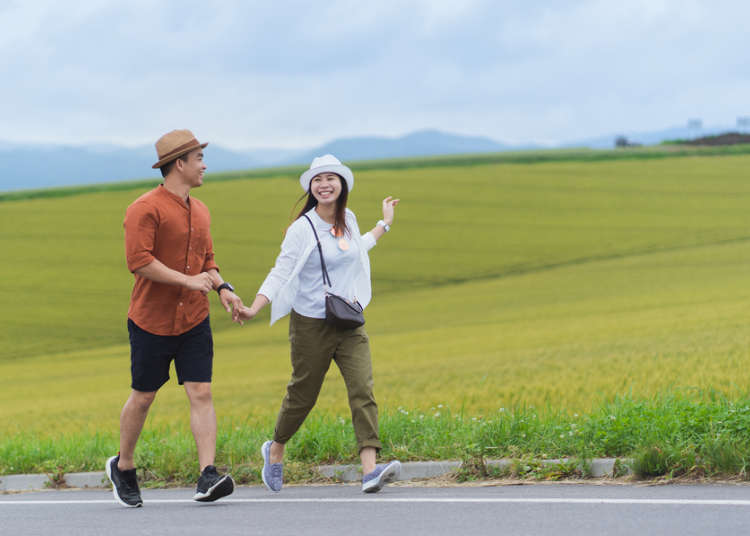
343,244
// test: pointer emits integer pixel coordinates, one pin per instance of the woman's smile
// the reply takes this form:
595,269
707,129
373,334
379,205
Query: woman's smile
326,187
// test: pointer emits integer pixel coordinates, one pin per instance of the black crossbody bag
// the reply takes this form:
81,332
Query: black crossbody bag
340,312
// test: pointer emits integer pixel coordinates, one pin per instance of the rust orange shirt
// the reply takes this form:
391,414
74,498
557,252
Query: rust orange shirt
161,225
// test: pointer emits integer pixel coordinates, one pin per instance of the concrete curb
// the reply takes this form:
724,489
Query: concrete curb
409,470
598,467
39,482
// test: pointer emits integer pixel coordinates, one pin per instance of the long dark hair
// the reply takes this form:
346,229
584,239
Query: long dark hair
340,218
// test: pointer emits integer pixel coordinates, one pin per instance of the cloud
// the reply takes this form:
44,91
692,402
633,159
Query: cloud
296,73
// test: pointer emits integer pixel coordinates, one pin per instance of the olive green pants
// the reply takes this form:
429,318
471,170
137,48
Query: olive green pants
314,344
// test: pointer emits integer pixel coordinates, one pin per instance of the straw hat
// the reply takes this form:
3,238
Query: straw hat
326,164
174,144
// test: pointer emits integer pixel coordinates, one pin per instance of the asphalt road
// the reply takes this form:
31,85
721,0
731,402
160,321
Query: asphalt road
539,510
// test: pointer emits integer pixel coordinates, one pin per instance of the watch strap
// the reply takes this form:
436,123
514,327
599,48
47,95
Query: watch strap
223,286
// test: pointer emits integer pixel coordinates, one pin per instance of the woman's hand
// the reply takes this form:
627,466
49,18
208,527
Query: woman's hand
243,313
248,313
388,208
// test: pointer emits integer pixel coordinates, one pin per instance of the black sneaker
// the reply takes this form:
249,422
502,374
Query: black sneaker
124,484
212,485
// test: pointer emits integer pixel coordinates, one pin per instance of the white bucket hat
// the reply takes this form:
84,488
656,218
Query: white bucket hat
326,164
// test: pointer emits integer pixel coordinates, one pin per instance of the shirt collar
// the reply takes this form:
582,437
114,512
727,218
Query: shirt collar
163,191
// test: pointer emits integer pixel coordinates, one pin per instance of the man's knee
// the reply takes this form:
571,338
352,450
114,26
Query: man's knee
142,400
198,392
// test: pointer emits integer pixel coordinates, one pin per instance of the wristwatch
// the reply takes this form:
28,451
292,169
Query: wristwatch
224,285
384,225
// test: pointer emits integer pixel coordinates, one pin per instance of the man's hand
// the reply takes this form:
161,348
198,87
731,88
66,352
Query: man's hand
232,303
201,281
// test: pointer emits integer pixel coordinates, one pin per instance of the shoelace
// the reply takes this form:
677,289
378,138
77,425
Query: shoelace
276,470
378,471
131,483
211,475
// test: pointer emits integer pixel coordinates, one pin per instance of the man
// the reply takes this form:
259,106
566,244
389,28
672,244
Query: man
169,250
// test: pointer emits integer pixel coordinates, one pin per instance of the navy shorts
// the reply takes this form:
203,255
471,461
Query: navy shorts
150,356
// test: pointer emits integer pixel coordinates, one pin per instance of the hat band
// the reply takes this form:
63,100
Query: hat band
173,152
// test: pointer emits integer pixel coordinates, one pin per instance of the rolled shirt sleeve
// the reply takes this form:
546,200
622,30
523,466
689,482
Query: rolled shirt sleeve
210,263
140,226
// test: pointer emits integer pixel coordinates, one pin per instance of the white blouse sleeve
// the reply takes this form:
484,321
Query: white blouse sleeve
368,239
291,249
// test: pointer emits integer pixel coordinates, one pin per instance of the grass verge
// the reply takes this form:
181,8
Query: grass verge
670,435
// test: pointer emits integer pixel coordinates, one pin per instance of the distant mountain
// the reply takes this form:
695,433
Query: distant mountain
41,166
24,166
420,143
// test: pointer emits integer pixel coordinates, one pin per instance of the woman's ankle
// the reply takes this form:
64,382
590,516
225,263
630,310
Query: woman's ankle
276,454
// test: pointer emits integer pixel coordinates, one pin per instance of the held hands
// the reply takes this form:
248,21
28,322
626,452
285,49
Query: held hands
388,208
248,313
232,303
243,313
205,283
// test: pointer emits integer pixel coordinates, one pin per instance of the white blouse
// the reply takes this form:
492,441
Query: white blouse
296,280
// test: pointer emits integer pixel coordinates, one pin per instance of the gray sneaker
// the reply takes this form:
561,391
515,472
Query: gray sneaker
382,475
273,473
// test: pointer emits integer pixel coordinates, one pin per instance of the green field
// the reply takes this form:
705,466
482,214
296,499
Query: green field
557,285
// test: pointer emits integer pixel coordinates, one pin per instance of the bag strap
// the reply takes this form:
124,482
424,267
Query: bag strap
326,278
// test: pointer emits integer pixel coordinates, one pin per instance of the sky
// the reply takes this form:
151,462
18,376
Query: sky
288,74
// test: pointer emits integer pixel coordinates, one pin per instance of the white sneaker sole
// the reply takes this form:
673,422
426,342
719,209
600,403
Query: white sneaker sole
390,474
108,468
224,487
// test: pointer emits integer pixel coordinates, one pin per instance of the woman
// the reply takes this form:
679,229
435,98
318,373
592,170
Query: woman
295,286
